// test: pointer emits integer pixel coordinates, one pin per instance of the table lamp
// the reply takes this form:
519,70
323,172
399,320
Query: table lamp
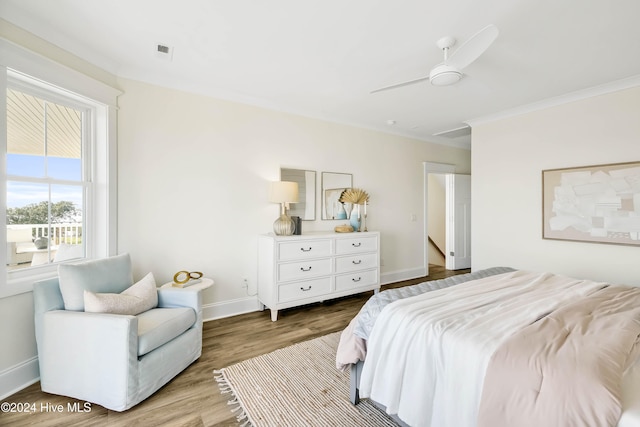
283,192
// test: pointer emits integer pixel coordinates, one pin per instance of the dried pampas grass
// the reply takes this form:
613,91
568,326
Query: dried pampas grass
354,195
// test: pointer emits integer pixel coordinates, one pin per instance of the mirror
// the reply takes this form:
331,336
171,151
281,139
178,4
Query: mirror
333,184
306,206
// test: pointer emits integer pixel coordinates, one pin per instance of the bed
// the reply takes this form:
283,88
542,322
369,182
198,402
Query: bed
460,351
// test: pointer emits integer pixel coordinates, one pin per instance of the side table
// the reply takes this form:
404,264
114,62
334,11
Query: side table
204,284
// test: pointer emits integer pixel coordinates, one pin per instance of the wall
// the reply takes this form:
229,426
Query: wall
193,184
507,159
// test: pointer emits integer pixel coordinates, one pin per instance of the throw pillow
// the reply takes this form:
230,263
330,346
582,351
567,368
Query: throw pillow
140,297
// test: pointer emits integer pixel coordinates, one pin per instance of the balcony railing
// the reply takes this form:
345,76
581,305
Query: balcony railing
70,233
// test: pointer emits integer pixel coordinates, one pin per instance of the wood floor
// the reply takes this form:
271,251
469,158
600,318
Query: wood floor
193,398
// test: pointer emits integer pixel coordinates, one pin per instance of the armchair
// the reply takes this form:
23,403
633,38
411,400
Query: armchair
114,360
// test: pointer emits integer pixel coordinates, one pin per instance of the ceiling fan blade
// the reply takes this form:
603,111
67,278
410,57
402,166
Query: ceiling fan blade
475,46
410,82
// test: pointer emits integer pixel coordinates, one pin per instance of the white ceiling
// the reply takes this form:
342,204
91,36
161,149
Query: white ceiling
321,58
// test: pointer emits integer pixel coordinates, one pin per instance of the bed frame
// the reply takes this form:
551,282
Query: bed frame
354,392
354,388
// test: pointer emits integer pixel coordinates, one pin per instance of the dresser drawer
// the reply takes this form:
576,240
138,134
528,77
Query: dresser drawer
304,289
304,269
356,262
356,244
303,249
356,280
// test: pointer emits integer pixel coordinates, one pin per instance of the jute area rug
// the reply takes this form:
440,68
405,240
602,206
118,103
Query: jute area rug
296,386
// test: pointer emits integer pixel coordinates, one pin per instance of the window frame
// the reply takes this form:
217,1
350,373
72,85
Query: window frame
100,215
25,85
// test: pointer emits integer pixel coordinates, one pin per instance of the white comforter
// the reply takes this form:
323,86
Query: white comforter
427,355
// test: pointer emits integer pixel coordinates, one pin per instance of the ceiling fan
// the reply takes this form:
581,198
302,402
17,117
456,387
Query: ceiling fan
450,71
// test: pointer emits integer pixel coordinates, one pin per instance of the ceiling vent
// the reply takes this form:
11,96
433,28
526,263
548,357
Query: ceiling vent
455,133
163,51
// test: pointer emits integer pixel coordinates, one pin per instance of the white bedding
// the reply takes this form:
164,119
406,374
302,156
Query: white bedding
427,355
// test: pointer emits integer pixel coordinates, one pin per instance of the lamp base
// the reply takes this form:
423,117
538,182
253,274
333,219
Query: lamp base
284,226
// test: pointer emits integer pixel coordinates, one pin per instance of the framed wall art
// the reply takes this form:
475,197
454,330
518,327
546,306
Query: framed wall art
599,203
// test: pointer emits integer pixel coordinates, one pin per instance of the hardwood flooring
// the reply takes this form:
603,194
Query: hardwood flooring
192,399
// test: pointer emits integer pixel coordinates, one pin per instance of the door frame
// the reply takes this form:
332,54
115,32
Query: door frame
430,167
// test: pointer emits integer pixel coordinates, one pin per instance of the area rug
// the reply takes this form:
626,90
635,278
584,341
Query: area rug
296,386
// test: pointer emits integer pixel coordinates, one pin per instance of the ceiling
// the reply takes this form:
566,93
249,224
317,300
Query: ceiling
322,58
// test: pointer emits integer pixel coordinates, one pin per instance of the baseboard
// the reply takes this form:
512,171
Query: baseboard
400,275
17,377
230,308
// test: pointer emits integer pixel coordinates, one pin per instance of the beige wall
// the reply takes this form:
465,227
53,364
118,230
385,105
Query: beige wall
194,174
507,159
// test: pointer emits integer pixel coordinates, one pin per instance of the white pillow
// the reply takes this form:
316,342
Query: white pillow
140,297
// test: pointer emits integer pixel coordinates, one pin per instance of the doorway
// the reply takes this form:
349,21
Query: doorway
447,218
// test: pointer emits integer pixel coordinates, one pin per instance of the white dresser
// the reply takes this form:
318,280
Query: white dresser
297,270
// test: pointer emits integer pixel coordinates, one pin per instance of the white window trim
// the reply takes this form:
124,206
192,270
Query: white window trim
103,212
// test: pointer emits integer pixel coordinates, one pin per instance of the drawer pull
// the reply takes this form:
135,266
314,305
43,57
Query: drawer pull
356,279
305,269
357,262
306,250
305,289
356,245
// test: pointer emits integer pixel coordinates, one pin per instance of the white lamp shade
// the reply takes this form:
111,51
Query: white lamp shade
283,192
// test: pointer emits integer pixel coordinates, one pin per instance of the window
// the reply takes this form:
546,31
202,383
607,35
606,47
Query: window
58,171
48,176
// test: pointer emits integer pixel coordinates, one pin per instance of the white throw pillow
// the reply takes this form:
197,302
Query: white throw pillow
140,297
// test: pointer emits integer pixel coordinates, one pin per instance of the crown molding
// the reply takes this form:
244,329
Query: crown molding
578,95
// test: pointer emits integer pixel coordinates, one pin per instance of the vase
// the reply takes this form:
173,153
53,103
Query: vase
347,208
342,214
354,220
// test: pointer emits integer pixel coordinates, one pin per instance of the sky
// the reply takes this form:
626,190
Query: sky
21,194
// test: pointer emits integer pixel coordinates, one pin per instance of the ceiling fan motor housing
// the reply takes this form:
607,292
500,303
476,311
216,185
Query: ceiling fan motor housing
444,75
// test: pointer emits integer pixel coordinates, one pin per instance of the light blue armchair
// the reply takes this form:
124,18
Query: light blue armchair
113,360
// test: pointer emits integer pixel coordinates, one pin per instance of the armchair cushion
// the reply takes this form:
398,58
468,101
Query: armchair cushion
113,274
160,325
140,297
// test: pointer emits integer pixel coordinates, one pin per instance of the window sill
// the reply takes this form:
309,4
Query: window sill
20,282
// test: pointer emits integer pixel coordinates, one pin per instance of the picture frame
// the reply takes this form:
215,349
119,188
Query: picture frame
333,184
597,203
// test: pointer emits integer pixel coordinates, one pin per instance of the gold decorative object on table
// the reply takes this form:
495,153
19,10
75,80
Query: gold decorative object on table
357,197
344,228
184,278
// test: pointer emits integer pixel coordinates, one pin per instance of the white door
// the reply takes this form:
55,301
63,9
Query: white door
458,200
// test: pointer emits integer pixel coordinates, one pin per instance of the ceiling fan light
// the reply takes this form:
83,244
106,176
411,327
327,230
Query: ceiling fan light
444,75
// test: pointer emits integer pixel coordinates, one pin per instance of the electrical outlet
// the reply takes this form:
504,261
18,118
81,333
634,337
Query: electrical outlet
245,282
381,263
